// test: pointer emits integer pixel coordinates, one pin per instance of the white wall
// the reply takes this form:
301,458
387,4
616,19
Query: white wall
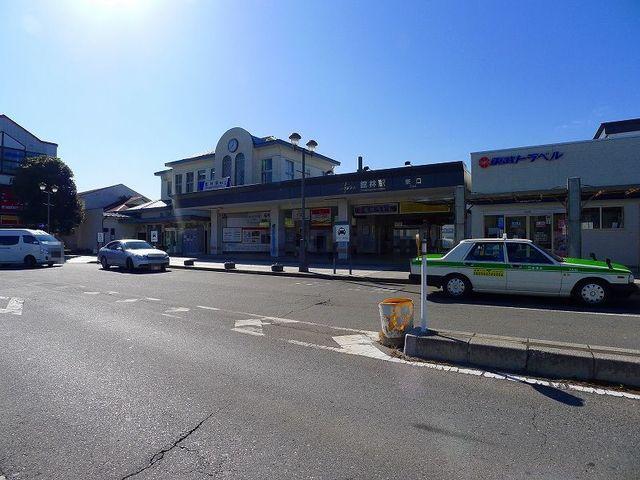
612,161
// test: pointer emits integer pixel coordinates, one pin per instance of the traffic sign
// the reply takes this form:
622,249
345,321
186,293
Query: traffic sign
100,237
341,232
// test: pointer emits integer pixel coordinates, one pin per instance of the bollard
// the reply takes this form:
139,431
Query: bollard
423,288
229,265
276,267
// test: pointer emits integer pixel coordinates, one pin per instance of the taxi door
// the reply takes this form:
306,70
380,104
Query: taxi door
530,270
485,266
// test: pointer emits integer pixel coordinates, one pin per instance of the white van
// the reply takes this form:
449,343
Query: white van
29,247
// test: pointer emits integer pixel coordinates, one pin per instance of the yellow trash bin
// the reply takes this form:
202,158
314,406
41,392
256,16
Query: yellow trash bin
396,316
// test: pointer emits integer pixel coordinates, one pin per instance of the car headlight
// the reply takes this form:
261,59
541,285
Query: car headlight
631,279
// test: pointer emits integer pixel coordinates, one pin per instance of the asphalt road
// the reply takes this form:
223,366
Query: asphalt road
195,375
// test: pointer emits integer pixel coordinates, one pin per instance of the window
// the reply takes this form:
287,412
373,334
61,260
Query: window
113,245
30,239
178,180
202,176
9,239
612,217
590,218
169,189
289,171
525,253
267,170
226,166
239,178
516,227
493,226
486,252
212,174
189,183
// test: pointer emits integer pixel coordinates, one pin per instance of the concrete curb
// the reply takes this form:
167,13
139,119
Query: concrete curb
296,274
529,356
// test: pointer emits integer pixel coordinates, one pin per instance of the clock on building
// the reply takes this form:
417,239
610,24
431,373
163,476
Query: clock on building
232,145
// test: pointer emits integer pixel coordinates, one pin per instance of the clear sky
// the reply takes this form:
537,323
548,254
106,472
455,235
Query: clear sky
124,86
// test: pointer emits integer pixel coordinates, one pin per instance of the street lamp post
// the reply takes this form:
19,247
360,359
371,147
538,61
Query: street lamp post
53,189
311,145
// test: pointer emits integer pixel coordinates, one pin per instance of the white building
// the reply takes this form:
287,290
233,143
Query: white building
246,197
523,192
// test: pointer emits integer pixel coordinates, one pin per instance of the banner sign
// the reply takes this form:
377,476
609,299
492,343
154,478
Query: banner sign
377,209
321,217
218,183
232,234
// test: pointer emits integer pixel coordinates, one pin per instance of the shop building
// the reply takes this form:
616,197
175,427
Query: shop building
250,187
16,144
522,192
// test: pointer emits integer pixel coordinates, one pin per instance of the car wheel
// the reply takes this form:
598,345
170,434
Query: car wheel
414,278
129,264
50,264
30,261
456,286
593,292
104,263
163,268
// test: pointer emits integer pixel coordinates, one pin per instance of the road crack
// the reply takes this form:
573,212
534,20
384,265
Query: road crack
158,456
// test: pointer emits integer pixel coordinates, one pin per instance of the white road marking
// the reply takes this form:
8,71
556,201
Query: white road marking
177,310
152,299
111,292
91,293
357,345
251,326
544,310
14,306
207,308
128,300
169,315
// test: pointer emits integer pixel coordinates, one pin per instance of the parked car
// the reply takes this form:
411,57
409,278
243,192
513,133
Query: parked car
132,254
521,267
29,247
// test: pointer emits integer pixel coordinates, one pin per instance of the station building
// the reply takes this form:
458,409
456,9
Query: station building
522,192
245,197
16,144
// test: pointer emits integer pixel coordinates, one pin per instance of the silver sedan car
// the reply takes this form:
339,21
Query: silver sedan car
132,254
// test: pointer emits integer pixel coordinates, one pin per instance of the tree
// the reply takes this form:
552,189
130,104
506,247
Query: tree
66,211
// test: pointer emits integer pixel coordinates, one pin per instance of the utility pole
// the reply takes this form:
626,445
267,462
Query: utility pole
53,189
311,145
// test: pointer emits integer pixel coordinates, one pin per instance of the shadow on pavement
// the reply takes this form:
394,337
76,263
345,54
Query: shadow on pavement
629,305
24,267
557,395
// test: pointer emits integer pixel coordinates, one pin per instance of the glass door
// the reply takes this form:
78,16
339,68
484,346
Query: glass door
540,230
516,227
560,246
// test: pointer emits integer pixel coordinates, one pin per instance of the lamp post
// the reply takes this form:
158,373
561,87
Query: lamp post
311,145
52,189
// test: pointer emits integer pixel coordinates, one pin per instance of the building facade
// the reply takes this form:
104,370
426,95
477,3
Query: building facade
246,198
522,192
16,144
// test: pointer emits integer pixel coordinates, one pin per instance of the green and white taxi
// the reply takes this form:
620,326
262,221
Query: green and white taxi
521,267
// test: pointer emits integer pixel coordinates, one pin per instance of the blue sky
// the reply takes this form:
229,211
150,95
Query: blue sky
124,86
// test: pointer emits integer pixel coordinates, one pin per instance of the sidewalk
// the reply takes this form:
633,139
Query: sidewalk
361,272
369,273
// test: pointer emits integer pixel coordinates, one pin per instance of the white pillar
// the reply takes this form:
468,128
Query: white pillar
277,232
215,233
344,215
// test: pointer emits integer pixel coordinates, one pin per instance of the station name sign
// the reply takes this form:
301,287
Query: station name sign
486,162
